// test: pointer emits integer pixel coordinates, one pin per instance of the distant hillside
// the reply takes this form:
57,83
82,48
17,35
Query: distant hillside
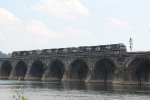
2,55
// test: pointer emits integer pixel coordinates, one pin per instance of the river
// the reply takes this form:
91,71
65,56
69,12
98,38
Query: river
37,90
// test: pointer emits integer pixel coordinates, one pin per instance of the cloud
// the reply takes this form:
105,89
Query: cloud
116,1
76,32
65,9
7,18
38,28
117,23
13,26
17,34
9,23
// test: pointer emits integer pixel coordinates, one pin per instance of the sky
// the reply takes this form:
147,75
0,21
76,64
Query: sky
45,24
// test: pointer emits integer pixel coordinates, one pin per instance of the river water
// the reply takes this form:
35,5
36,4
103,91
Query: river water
37,90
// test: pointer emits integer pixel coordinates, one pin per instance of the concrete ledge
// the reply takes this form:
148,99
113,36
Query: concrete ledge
16,78
4,77
99,81
51,79
33,79
135,83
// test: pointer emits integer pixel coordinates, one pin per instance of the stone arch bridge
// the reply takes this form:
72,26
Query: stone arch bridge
114,67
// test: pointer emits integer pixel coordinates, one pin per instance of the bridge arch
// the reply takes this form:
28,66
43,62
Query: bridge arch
36,70
139,69
78,70
5,69
103,70
20,69
55,70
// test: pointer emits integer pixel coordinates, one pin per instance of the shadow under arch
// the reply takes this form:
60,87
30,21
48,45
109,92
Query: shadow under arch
103,70
78,70
55,70
139,69
36,70
20,70
5,70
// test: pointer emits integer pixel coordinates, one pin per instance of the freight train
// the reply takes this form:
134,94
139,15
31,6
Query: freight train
100,48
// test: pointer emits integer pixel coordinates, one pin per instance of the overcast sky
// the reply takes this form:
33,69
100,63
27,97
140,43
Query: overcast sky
41,24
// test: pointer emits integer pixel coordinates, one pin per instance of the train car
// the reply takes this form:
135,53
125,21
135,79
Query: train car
71,49
14,54
104,48
32,52
111,48
60,50
118,47
82,49
52,51
74,49
24,53
49,51
20,53
65,50
94,48
38,52
122,47
45,51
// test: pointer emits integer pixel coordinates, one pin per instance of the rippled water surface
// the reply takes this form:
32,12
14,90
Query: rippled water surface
36,90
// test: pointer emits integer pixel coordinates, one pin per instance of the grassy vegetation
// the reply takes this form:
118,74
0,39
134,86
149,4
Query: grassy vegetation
19,95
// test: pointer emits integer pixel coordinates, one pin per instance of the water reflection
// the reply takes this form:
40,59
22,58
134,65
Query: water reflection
74,90
86,86
74,85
